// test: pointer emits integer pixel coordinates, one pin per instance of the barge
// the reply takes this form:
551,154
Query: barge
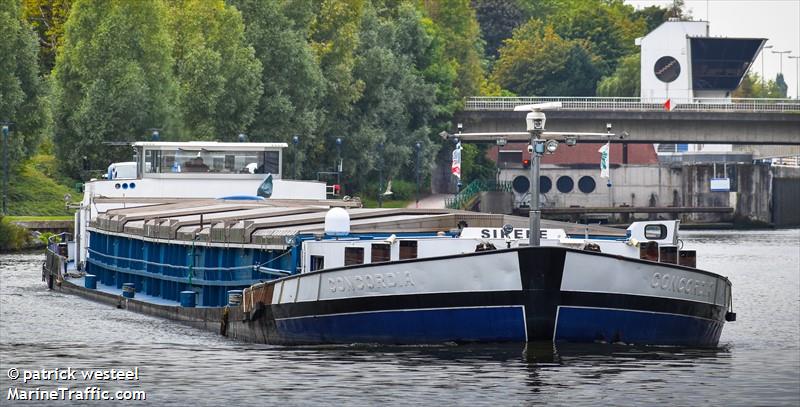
317,274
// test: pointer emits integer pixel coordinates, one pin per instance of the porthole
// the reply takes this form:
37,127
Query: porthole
521,184
125,185
565,184
117,186
586,184
545,185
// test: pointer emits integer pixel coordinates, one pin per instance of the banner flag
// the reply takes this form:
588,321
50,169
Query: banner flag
455,168
604,150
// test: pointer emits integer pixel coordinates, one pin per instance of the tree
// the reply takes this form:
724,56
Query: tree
607,26
47,17
217,72
497,19
783,88
463,47
22,92
113,80
653,16
753,86
537,61
397,104
625,81
292,79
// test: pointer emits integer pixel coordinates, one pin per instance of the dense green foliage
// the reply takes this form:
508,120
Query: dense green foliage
12,237
113,79
625,81
216,70
23,94
537,61
753,86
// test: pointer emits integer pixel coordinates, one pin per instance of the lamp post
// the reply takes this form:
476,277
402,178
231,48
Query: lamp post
418,147
780,58
763,83
5,168
295,142
380,175
339,160
797,78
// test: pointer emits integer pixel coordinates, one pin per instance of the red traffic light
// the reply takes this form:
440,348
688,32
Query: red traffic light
526,163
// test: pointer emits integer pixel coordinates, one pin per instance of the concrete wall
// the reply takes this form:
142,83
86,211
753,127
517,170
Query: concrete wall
496,202
631,185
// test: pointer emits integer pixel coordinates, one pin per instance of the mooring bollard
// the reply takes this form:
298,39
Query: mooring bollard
188,299
128,290
90,281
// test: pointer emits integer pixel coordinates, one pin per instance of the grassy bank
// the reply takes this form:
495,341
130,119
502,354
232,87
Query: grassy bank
37,189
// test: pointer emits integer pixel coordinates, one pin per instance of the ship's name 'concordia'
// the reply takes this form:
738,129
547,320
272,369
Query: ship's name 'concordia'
370,281
675,283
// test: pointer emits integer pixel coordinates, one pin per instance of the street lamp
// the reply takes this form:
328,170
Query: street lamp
763,84
418,147
5,167
380,175
339,160
295,142
797,78
780,58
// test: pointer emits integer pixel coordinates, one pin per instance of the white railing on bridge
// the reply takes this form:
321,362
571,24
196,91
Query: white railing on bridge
640,104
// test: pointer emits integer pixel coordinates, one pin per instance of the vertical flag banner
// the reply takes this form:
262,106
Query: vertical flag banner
604,160
455,168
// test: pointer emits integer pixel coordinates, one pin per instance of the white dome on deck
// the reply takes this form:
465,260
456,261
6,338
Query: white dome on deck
337,222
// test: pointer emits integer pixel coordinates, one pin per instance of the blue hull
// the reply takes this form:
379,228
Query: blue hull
491,324
577,324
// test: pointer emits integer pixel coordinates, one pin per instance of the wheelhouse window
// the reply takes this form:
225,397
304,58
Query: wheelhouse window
353,256
317,263
655,232
210,161
380,252
408,249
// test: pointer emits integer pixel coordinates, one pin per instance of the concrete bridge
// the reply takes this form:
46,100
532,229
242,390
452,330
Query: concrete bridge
696,121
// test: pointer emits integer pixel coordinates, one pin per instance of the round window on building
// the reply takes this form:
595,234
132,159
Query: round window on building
667,69
545,185
586,184
565,184
521,184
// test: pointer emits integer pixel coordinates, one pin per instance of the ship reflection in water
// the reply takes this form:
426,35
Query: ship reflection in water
758,362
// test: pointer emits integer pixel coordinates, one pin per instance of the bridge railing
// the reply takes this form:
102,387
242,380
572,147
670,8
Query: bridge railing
640,104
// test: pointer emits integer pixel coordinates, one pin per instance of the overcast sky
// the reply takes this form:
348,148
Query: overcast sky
776,20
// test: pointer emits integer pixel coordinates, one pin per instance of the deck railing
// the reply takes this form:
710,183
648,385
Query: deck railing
635,104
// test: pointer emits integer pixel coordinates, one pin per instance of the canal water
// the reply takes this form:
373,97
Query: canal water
757,363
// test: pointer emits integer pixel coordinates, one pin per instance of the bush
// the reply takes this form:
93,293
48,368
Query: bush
13,237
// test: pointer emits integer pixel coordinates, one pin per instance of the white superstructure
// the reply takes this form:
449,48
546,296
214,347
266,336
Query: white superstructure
163,171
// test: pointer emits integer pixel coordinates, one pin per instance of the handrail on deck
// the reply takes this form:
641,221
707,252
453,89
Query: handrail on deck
638,104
